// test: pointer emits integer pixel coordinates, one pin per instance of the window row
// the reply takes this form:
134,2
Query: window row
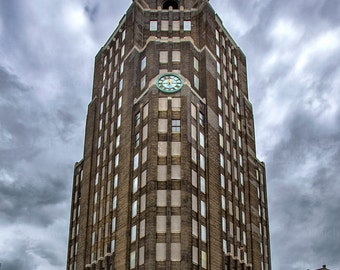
165,25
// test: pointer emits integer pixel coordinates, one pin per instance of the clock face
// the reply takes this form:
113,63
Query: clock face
169,83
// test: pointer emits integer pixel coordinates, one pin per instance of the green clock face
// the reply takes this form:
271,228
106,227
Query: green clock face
169,83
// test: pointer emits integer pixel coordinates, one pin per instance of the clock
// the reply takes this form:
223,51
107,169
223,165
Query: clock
169,83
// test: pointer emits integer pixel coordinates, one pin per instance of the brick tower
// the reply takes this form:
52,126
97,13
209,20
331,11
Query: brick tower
169,178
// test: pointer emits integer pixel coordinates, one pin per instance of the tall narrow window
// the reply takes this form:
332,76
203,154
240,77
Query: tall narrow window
201,118
176,56
137,139
196,63
153,25
187,26
143,64
176,126
137,119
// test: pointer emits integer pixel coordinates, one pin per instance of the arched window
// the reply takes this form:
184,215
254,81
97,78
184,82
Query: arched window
170,3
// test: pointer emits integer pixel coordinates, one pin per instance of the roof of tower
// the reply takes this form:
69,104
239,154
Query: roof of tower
167,4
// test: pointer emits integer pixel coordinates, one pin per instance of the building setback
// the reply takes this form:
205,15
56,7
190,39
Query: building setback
169,177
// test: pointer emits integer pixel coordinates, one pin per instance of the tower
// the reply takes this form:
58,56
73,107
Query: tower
169,177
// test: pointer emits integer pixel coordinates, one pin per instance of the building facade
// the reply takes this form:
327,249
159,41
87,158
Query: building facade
169,178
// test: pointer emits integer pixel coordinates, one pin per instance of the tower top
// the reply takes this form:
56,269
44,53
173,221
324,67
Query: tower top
171,4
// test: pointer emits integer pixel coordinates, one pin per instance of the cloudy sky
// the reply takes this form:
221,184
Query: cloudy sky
47,50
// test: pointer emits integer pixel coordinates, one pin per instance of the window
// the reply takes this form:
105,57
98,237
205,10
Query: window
116,161
224,225
194,203
194,154
160,252
142,229
137,139
135,185
94,217
163,56
96,198
112,245
235,60
123,35
136,161
175,198
161,224
161,173
222,160
204,259
196,82
194,178
119,121
201,139
219,103
114,202
161,198
143,64
176,56
196,63
137,119
225,246
187,26
121,68
202,162
115,181
217,35
153,25
163,104
175,224
176,126
142,203
120,102
162,149
133,233
217,51
203,234
195,255
101,107
222,180
93,238
122,52
165,25
175,26
141,255
219,85
202,184
142,82
175,252
175,172
162,125
194,228
99,142
121,83
203,209
144,154
132,259
175,148
134,209
223,202
193,132
201,118
220,123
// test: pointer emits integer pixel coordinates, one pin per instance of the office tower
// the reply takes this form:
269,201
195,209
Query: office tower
169,177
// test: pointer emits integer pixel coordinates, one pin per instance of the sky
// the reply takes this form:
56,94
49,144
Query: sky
47,51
